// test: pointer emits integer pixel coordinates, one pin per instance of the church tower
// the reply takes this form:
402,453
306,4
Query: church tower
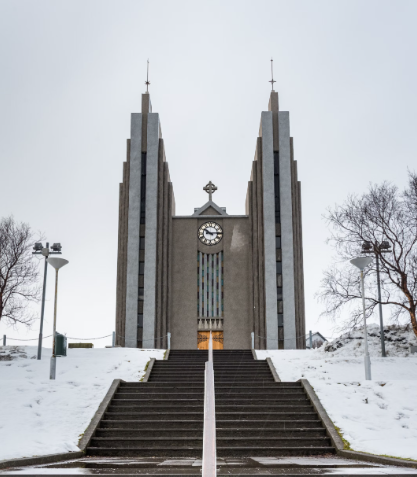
239,276
146,208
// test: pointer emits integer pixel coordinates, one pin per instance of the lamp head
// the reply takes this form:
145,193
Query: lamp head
361,262
385,245
38,247
57,263
56,247
366,247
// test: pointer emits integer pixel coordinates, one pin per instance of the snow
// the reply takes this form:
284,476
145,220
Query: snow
39,416
378,416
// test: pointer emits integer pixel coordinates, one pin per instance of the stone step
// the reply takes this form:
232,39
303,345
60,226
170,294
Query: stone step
160,384
197,424
224,400
174,393
180,382
131,403
219,409
258,443
224,390
263,416
173,379
275,452
157,408
144,424
185,451
157,416
217,364
248,432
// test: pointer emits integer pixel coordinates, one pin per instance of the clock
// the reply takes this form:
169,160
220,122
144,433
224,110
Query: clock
210,233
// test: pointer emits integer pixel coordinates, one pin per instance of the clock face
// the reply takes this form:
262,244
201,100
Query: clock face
210,233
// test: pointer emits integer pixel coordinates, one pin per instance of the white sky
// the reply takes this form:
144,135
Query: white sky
73,71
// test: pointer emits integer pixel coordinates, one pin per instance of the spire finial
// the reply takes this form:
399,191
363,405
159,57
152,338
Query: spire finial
210,188
272,75
147,77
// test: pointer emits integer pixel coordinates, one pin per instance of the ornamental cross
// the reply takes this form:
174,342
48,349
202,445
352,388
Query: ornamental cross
147,78
272,75
210,189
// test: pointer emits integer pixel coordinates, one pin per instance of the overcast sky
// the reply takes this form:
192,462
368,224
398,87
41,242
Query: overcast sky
73,71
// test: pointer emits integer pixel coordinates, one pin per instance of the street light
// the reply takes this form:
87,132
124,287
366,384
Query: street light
361,263
39,250
57,263
382,247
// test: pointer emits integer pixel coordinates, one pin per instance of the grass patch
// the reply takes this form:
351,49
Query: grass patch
346,444
395,457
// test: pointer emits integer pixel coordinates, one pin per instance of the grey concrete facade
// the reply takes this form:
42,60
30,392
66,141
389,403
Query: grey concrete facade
149,302
158,251
132,275
287,239
236,248
271,312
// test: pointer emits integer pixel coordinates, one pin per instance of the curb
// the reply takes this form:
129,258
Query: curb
45,459
337,440
88,434
148,370
277,379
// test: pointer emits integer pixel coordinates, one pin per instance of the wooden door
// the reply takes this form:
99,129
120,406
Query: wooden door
204,336
203,339
217,339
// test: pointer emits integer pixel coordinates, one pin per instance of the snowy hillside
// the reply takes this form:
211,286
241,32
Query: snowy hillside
378,416
39,416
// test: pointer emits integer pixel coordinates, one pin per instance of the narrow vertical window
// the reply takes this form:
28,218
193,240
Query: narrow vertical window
210,292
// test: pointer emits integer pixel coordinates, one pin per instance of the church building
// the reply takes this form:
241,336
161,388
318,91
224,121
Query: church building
239,276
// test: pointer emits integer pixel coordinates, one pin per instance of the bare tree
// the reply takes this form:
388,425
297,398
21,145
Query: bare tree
18,272
382,214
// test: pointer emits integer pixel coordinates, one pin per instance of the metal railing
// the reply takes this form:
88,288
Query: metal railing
209,436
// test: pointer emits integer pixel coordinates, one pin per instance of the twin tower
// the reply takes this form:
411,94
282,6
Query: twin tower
239,276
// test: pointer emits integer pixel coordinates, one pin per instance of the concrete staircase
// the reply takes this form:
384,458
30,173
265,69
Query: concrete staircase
255,416
160,418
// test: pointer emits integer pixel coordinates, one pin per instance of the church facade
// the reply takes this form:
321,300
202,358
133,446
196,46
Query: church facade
236,276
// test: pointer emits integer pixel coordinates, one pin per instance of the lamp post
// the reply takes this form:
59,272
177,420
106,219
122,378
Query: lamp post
57,263
361,263
378,248
40,250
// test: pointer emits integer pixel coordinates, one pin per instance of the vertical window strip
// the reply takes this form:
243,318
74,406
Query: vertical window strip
210,285
222,284
198,284
202,284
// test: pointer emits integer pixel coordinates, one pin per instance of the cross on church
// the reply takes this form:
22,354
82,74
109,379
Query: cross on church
210,189
272,75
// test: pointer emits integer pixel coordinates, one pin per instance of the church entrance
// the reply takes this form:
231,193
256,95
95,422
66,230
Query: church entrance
203,339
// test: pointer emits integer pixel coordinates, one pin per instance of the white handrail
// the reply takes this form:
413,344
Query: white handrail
209,436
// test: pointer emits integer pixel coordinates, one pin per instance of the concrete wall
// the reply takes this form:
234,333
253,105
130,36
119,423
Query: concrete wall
151,230
132,275
236,247
271,315
287,239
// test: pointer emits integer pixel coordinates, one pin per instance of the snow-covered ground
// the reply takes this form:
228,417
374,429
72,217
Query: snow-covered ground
39,416
378,416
